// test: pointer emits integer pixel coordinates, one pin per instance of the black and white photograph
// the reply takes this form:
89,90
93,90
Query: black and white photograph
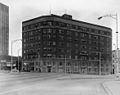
59,47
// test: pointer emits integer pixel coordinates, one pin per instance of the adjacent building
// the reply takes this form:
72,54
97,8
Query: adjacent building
115,61
6,62
4,33
61,44
4,29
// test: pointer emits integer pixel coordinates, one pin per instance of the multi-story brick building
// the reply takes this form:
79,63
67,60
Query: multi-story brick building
61,44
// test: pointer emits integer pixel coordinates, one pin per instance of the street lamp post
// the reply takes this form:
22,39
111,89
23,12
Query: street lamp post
39,61
99,63
114,16
70,69
65,64
12,51
18,60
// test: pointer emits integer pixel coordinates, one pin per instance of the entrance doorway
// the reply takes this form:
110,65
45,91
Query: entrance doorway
84,70
39,70
49,69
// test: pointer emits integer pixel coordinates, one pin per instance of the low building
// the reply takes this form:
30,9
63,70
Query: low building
5,62
115,61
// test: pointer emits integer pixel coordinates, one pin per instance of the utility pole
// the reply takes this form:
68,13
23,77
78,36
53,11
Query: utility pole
65,64
18,60
99,63
12,51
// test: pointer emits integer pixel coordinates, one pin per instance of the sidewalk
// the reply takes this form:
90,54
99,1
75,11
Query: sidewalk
112,87
77,77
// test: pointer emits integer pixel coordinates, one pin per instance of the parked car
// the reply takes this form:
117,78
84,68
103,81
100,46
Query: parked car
15,70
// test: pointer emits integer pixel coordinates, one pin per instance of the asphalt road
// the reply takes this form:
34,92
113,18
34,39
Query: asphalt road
51,84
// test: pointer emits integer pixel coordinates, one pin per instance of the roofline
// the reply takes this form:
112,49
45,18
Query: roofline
52,15
36,18
4,4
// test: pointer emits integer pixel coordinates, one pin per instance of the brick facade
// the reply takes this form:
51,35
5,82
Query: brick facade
60,44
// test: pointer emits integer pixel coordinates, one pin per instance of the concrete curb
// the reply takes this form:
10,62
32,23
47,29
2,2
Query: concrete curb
79,78
107,90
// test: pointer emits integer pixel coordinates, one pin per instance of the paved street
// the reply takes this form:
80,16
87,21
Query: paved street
52,84
113,87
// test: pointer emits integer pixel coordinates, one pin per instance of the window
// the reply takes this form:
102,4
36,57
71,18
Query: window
23,28
95,37
61,44
61,37
61,31
92,31
89,69
75,69
109,34
25,45
54,43
87,29
24,40
83,47
83,57
101,38
83,40
89,64
53,63
90,36
76,64
69,26
68,69
107,69
24,34
49,63
99,32
68,51
76,51
68,64
83,34
102,32
102,49
76,57
95,69
94,43
76,45
60,64
49,23
68,44
83,63
76,39
24,51
76,33
80,28
49,31
69,38
68,33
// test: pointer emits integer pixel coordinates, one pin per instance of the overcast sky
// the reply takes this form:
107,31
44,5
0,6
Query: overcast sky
84,10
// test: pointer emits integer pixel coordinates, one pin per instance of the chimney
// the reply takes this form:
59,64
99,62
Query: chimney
66,16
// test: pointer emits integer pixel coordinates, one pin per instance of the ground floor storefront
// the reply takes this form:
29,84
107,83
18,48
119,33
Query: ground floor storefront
95,67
